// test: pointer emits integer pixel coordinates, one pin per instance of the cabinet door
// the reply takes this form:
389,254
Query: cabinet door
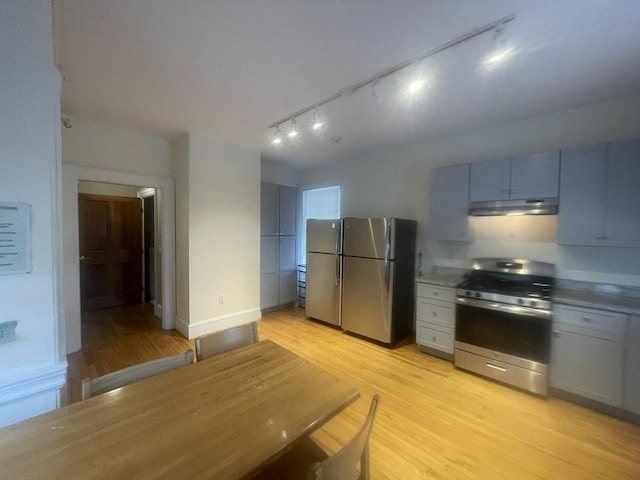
631,400
535,176
268,254
581,214
268,290
287,253
287,210
490,180
287,284
268,209
434,336
622,221
589,363
449,203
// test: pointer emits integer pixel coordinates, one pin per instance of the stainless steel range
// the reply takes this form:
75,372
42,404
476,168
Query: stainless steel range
503,322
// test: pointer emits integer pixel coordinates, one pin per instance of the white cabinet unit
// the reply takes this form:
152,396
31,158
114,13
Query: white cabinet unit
600,195
518,178
277,245
588,353
449,203
435,319
631,400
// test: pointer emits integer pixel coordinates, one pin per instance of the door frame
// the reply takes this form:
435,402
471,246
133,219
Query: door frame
165,189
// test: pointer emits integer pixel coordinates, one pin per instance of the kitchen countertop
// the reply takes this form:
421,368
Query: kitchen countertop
614,298
443,276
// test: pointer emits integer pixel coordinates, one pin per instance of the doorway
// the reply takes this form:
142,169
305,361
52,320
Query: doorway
164,244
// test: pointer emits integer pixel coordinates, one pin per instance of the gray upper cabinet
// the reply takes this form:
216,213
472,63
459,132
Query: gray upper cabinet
269,193
518,178
287,208
535,176
449,203
278,209
490,180
600,195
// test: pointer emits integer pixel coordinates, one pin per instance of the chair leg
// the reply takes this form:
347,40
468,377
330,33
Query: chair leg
364,463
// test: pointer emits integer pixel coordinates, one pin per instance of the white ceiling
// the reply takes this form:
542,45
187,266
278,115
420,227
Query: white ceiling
231,68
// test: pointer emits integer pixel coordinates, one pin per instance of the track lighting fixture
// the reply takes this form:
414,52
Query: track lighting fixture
414,86
317,123
277,136
293,133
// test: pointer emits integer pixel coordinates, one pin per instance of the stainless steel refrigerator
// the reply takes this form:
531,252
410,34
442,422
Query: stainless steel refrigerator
378,277
324,270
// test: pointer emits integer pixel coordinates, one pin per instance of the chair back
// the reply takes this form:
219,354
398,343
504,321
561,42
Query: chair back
226,340
135,373
344,463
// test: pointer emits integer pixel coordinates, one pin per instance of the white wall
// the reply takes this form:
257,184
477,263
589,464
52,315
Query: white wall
222,198
91,151
395,182
99,188
279,173
91,144
32,368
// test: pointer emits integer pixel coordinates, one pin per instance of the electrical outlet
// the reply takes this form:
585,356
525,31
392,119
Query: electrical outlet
221,298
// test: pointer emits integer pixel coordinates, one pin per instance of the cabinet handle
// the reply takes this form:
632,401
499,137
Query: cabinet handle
435,314
586,319
556,333
495,367
433,338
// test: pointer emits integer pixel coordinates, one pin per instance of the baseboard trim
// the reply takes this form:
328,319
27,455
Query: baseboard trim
212,325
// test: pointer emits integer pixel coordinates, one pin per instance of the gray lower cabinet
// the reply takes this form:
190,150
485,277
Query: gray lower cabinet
435,319
631,399
449,204
278,271
588,353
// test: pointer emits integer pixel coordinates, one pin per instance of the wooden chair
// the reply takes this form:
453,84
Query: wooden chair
135,373
226,340
308,461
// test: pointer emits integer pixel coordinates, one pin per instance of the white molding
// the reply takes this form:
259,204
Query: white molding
212,325
146,192
33,382
74,173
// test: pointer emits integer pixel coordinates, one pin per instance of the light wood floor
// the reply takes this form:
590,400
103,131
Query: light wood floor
434,422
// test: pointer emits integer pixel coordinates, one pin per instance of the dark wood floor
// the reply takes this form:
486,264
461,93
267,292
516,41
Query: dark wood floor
434,422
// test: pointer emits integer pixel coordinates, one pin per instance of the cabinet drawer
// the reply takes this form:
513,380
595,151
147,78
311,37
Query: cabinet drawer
433,311
433,336
436,292
607,322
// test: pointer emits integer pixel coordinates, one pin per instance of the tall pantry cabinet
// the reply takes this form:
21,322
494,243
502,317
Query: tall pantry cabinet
278,230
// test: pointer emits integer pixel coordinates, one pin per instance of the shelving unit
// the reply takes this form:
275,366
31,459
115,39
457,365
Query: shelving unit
302,285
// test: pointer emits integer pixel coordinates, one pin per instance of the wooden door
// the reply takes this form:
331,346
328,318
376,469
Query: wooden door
110,251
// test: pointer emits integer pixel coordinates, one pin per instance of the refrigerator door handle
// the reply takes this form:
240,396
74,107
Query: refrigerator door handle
336,273
337,242
386,276
387,248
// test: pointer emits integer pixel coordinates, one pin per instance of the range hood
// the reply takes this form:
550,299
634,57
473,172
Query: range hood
537,206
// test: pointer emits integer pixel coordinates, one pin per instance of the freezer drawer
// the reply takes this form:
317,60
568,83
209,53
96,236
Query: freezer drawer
366,304
323,287
369,237
324,236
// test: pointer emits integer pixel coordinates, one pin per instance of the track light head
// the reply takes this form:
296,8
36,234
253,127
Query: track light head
277,136
317,123
293,133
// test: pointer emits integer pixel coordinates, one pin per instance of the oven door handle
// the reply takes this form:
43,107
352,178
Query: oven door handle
501,307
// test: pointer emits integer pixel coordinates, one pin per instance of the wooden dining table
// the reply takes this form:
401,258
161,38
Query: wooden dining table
220,418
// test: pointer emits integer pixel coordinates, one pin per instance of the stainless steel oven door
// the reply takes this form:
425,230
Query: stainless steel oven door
521,332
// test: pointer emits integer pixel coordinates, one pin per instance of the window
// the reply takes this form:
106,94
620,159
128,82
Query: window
320,203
